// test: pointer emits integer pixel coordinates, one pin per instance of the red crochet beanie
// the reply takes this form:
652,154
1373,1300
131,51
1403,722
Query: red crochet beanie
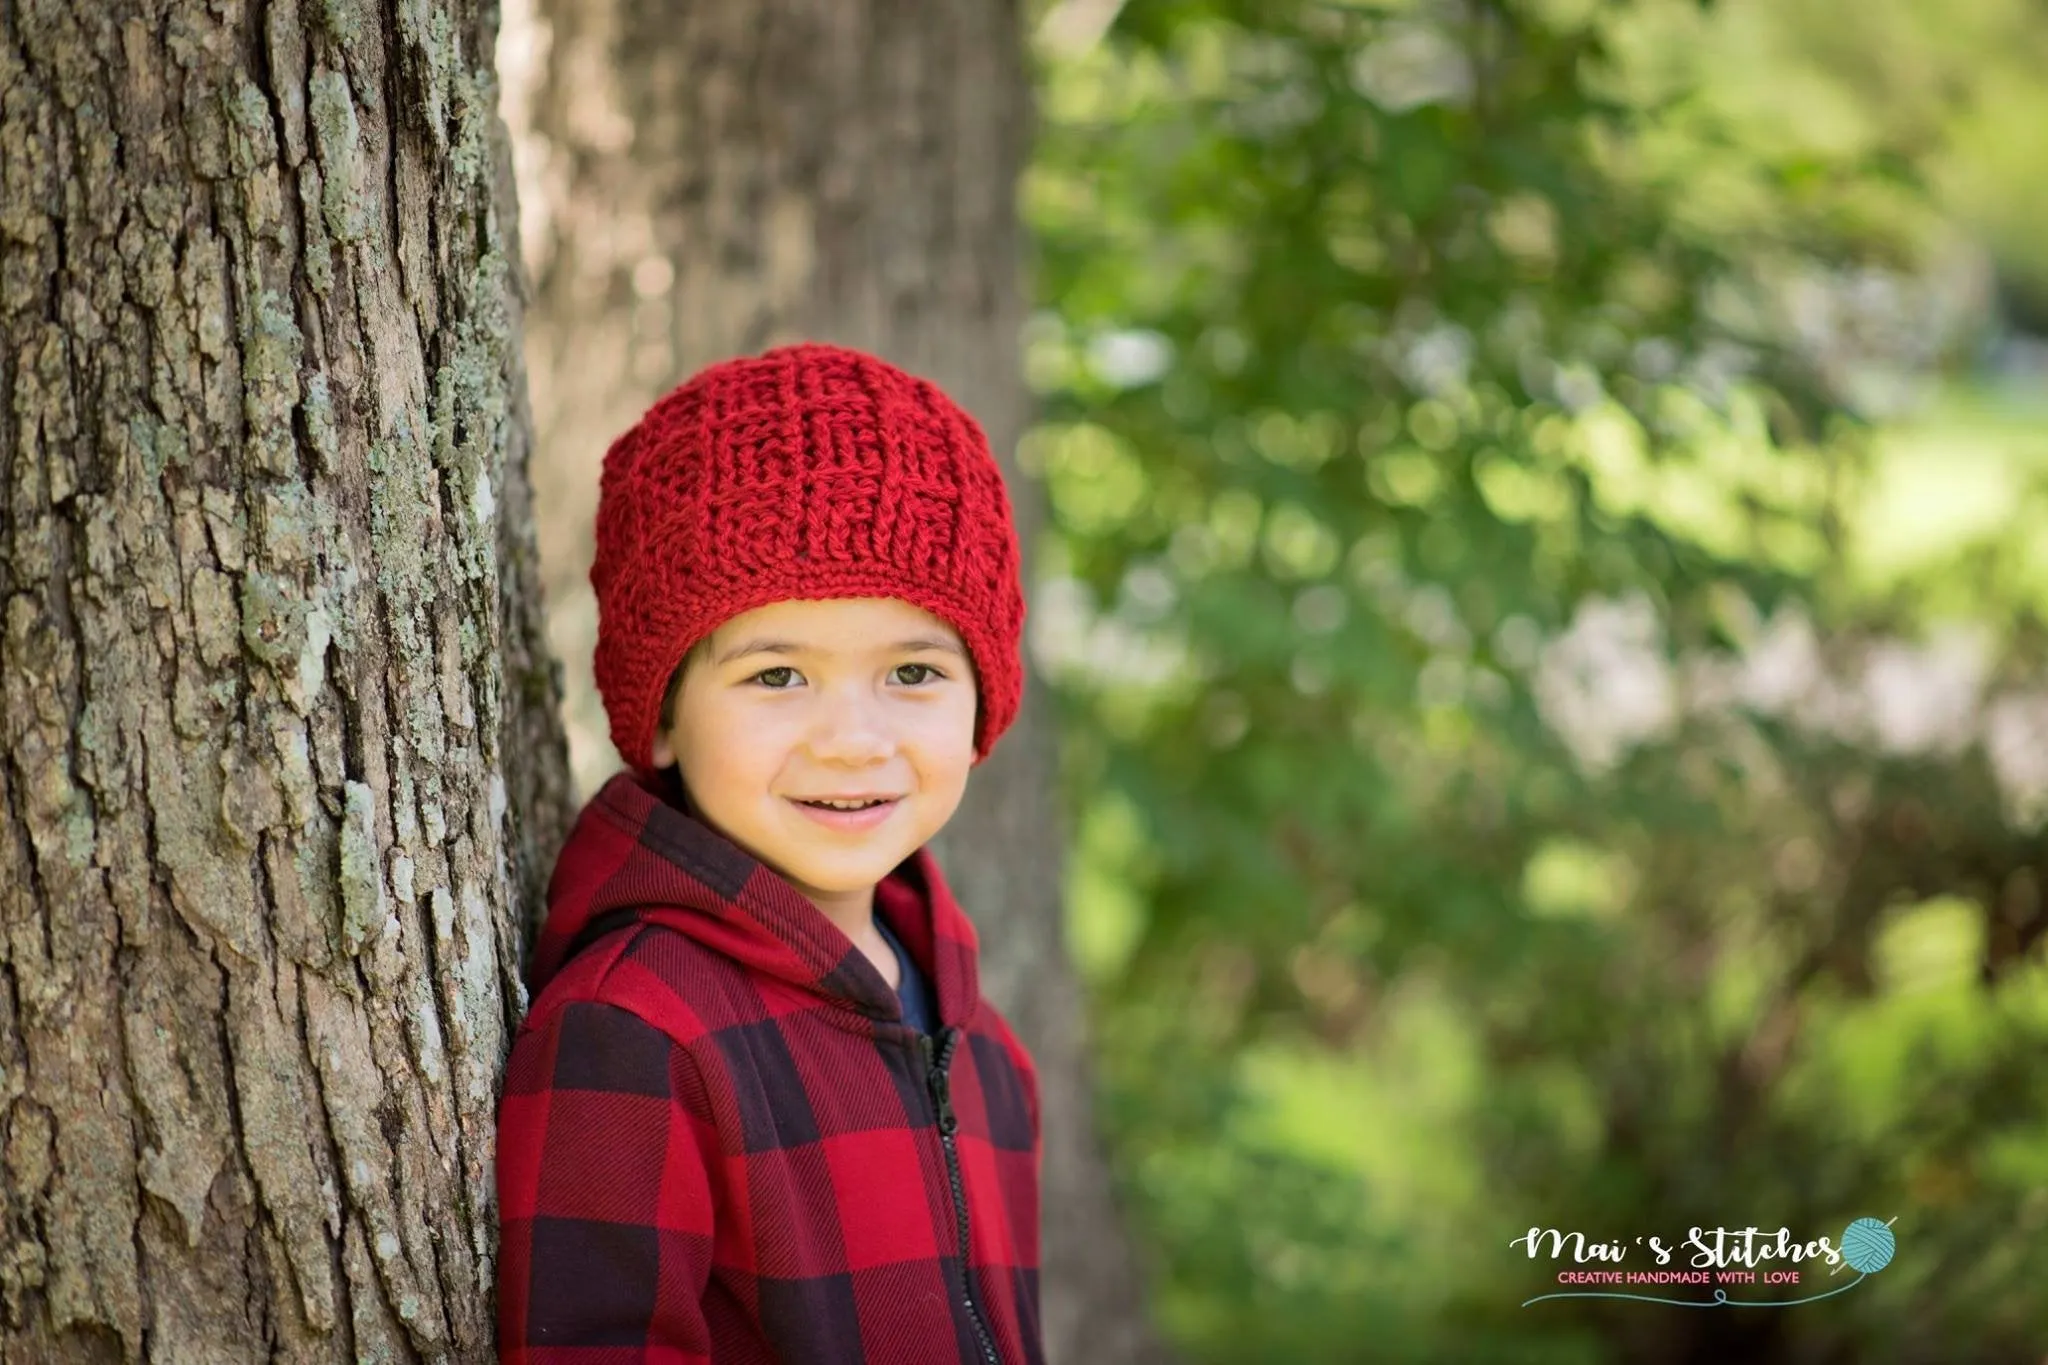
809,471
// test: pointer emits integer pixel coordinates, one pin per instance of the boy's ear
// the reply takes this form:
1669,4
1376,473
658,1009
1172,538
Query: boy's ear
661,751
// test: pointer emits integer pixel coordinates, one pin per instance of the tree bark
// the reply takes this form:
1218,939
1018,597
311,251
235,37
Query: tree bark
707,180
279,758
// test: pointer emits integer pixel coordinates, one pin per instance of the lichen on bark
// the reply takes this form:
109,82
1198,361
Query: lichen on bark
279,764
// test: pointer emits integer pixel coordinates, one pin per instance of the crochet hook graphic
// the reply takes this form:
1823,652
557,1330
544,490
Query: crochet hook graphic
1867,1247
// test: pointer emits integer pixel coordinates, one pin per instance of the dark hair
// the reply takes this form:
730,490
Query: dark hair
675,681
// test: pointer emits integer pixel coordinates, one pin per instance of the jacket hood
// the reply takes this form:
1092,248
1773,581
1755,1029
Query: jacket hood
640,852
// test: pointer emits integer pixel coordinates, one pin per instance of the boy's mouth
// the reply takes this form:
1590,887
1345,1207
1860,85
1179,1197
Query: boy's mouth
862,816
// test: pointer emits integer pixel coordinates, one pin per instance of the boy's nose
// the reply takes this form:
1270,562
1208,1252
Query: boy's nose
850,724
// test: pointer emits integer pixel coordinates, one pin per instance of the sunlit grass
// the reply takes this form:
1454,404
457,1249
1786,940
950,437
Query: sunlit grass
1971,468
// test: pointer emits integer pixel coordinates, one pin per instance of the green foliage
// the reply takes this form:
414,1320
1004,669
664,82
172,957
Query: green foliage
1381,347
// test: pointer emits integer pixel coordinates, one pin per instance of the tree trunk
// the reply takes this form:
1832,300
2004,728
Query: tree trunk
279,758
707,180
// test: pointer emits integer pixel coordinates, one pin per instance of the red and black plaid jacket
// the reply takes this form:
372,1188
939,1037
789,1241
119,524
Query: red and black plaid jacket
719,1142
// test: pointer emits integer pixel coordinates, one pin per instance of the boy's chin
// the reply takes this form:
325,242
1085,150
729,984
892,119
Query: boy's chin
843,870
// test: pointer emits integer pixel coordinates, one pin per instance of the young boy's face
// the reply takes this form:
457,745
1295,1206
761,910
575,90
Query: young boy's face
860,695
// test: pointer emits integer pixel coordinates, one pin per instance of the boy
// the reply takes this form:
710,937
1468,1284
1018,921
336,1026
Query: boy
758,1110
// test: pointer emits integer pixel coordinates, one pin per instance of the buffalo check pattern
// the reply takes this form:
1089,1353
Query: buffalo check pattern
719,1141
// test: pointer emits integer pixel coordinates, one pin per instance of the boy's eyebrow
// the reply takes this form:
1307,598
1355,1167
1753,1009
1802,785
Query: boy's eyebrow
791,647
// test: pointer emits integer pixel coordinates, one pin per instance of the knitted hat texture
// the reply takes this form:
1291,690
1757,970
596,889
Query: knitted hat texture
807,472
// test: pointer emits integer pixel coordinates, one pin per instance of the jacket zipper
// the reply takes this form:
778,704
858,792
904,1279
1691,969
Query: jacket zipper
939,1081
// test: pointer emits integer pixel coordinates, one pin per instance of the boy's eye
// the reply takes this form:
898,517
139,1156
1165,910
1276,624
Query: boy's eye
765,678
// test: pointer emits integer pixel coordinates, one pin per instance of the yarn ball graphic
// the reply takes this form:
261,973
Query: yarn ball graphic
1867,1245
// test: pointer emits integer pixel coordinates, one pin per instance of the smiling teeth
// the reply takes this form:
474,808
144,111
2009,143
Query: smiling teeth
844,805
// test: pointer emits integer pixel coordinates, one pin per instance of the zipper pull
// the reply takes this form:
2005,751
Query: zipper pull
941,1082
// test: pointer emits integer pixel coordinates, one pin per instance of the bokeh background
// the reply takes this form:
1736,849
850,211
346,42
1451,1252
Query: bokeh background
1544,597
